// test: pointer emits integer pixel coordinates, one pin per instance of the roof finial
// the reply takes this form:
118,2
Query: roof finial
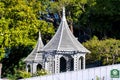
63,14
39,34
63,11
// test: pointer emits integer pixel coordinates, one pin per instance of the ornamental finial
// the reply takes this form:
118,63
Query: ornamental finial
39,34
63,14
63,11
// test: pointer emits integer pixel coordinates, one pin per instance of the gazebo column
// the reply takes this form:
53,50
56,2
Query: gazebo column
43,65
79,64
57,64
84,62
50,65
26,67
75,63
46,66
34,67
31,68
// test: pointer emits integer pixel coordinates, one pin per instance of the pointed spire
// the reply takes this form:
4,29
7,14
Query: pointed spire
63,19
35,54
40,43
39,35
63,11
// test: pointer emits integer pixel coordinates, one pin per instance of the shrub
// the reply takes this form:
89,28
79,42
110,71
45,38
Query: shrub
19,75
41,72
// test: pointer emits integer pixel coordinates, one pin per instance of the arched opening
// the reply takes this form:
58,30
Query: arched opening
72,65
81,62
28,66
62,64
39,67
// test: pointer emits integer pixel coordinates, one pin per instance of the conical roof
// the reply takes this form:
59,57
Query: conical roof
35,55
64,40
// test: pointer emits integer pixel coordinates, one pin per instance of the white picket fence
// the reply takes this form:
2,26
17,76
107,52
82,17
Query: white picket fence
98,73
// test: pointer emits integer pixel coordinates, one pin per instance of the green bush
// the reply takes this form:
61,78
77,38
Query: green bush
23,74
105,51
41,72
19,75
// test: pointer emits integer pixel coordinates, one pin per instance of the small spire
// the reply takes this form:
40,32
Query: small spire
63,14
39,34
40,43
63,11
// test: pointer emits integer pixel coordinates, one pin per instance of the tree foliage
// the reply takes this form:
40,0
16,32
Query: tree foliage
102,19
90,17
19,26
103,51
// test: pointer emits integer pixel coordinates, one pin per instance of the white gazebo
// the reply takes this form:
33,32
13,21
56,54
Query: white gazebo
35,60
62,53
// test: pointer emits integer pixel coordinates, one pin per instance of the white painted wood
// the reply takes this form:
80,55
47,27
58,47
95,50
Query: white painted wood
103,73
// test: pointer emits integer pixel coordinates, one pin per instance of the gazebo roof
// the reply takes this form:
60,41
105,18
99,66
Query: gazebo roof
35,55
64,40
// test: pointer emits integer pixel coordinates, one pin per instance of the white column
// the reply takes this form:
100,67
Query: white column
31,68
46,66
80,66
75,63
26,67
84,63
57,64
50,67
34,67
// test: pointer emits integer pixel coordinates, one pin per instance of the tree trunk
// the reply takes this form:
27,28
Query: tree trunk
113,59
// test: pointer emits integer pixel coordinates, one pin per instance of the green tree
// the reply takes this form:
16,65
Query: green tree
94,46
102,19
104,51
19,26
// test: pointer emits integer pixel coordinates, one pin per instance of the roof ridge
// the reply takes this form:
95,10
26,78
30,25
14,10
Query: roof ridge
63,19
60,38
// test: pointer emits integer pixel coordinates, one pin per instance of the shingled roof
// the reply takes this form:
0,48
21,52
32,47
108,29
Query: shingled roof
35,55
64,40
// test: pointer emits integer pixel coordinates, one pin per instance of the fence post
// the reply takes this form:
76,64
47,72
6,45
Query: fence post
0,69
